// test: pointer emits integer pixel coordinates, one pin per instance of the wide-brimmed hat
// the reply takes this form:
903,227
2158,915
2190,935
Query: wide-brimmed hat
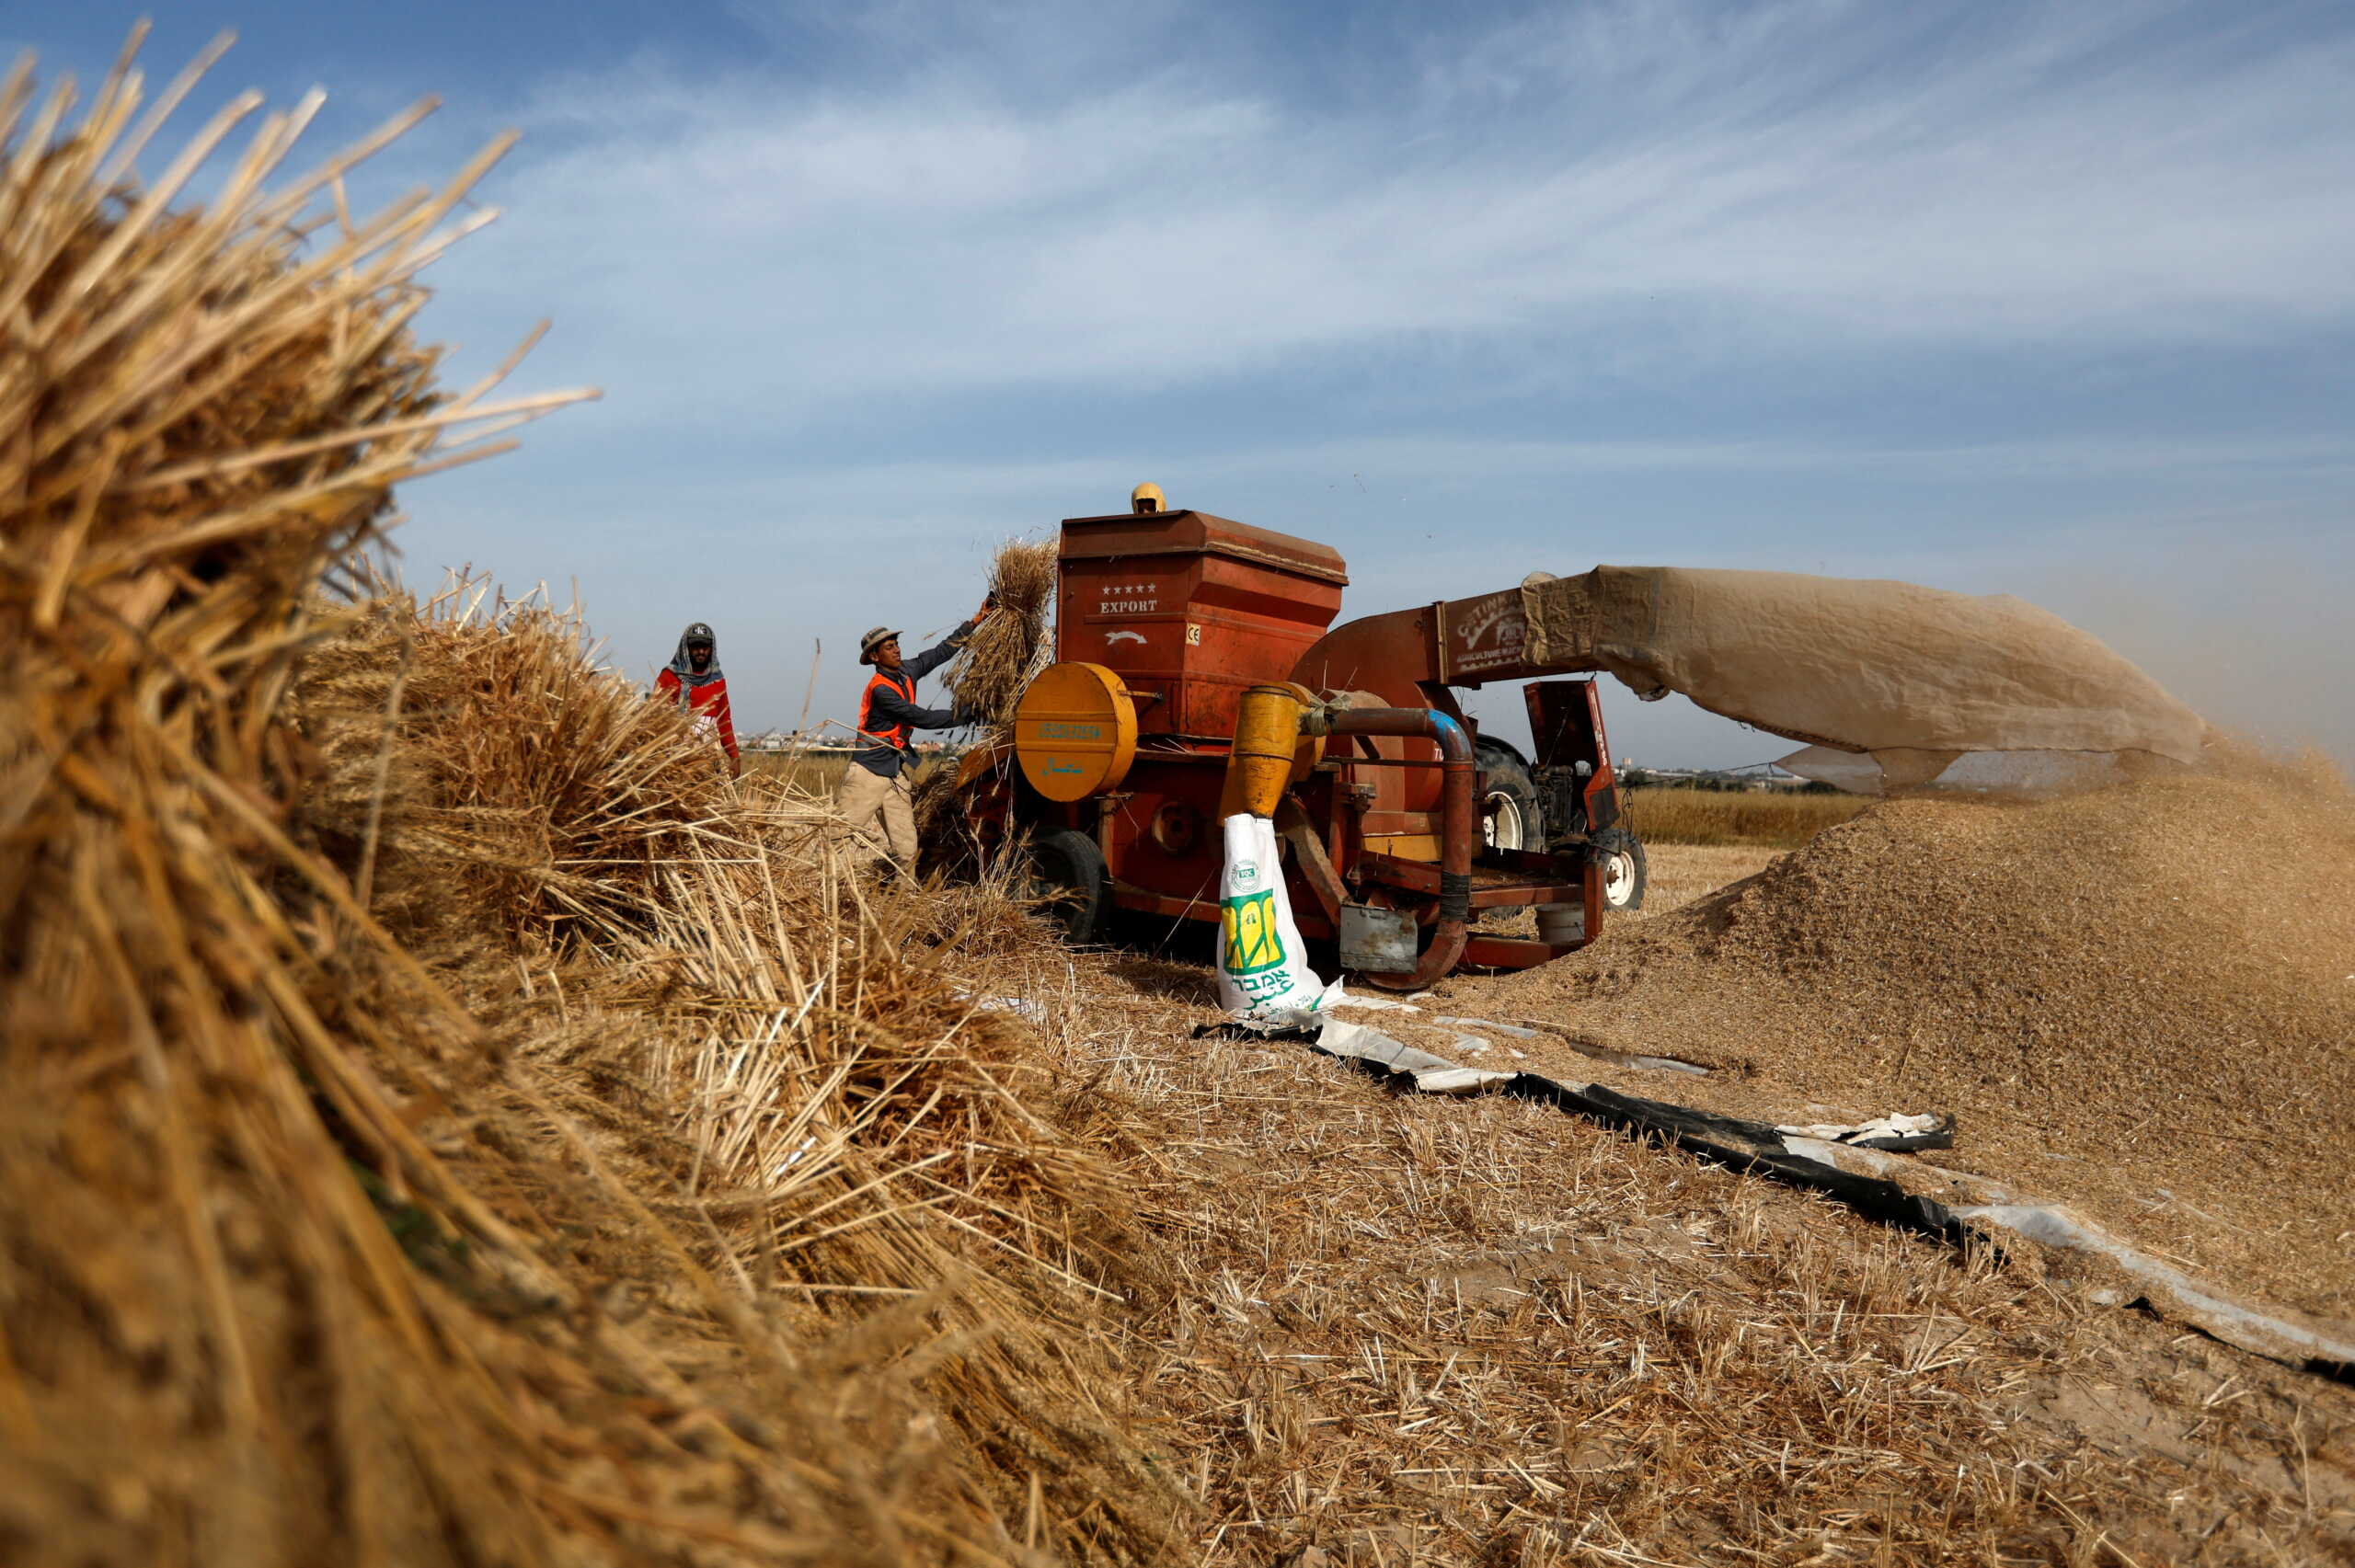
873,640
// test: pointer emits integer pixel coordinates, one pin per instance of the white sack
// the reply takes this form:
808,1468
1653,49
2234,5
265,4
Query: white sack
1263,974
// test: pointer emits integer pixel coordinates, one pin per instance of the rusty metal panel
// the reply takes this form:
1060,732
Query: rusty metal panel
1191,532
1189,610
1481,637
1377,941
1161,830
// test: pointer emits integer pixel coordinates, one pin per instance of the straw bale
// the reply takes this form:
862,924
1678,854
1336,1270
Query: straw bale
218,1345
788,1077
507,785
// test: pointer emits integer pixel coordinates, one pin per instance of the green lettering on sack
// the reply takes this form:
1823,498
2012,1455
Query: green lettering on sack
1253,944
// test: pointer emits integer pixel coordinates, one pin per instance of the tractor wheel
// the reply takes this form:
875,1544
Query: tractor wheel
1619,855
1511,817
1068,880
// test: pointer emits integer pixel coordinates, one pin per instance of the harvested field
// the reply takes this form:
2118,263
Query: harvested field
798,770
1414,1330
803,773
1682,873
1772,818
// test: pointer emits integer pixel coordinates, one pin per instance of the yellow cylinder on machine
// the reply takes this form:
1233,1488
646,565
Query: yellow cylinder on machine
1267,738
1074,731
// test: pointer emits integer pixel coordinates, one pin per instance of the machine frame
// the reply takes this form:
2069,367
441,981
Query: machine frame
1380,819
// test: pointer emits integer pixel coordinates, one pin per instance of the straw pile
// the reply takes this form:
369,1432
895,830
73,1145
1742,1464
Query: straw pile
649,1208
2137,1000
483,778
708,1008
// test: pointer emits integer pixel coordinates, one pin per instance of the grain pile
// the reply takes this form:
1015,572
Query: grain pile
2141,1002
444,1123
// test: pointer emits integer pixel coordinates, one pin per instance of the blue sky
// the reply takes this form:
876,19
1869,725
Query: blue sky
2056,301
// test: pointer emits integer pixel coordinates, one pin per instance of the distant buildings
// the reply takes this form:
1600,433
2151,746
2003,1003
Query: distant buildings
831,739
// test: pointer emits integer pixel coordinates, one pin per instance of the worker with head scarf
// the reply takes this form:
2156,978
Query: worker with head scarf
695,683
876,782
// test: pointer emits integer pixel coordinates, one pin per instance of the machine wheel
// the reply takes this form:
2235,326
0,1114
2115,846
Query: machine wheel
1511,817
1067,877
1620,857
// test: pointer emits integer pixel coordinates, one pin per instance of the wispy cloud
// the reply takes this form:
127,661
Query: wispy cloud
1963,293
1989,293
1812,168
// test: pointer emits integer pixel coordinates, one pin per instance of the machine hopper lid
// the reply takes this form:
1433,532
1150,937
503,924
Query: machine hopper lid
1191,532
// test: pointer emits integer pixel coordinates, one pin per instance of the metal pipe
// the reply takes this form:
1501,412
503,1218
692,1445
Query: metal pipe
1458,821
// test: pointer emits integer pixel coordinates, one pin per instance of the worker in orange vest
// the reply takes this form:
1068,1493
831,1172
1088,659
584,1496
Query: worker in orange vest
694,682
875,783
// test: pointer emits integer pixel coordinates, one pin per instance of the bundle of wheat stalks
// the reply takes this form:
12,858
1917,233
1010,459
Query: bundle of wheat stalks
988,676
443,1124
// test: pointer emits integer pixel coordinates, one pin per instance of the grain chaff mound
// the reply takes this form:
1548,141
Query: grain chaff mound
2140,1001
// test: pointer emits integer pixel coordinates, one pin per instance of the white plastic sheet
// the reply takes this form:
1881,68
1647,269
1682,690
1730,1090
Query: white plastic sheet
1263,973
1431,1074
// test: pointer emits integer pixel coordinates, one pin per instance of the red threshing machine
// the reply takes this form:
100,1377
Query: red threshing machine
1401,825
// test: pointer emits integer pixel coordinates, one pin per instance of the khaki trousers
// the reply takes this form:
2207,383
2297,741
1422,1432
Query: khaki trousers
864,794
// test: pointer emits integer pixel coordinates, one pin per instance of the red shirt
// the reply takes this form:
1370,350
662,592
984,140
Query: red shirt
710,703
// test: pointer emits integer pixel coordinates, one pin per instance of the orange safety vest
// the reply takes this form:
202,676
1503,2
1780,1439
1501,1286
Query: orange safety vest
894,736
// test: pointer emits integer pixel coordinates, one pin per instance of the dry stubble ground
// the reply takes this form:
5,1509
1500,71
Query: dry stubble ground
1405,1330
